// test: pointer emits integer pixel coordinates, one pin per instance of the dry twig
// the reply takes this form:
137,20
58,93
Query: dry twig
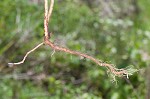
47,15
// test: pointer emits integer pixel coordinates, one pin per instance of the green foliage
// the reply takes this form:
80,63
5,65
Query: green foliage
122,41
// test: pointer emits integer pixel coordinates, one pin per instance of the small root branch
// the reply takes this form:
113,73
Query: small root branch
110,67
18,63
53,53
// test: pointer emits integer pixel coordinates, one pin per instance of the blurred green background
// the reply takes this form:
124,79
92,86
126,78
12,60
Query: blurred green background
115,31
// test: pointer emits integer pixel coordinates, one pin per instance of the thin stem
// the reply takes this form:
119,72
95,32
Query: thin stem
50,9
18,63
46,20
46,8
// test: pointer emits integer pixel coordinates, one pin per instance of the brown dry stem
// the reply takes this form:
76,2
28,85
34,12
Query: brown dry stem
47,15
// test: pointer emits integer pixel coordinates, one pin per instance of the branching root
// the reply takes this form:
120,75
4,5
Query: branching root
48,12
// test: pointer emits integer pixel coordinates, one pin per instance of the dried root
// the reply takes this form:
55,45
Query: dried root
111,68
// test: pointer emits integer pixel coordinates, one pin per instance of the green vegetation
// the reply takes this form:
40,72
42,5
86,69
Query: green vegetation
122,40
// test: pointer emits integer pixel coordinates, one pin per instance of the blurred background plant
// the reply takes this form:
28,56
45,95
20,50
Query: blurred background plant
116,31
